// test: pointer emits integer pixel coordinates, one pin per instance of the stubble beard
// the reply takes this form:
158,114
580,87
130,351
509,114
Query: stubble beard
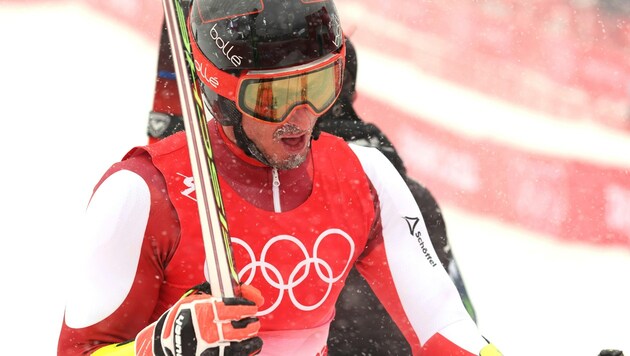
293,160
290,162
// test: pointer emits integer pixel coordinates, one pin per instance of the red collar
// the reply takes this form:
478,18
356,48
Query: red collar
253,180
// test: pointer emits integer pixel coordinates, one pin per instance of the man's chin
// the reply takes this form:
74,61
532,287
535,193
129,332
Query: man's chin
290,162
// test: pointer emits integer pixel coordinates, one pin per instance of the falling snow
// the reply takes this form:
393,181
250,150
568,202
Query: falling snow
76,91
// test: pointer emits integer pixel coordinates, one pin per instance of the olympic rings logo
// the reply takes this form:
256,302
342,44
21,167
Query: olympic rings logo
272,274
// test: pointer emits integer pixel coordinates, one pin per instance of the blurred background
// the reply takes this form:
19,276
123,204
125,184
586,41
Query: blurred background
515,114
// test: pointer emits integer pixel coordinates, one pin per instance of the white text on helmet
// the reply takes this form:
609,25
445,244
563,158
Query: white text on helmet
203,72
236,60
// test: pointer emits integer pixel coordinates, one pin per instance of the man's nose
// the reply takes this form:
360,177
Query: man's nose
303,117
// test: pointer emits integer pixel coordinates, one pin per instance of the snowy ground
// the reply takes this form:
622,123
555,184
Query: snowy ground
75,92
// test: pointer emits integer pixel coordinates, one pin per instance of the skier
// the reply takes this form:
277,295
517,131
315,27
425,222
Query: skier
302,207
352,330
374,333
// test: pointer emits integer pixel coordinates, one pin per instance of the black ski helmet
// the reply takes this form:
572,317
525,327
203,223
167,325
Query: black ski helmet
238,35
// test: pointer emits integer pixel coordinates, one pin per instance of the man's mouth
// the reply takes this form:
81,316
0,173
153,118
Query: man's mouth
294,142
292,138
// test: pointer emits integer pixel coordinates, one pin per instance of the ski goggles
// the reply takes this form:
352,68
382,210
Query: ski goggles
271,95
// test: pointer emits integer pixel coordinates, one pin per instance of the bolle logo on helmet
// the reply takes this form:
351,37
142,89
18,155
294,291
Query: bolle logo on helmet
203,72
222,44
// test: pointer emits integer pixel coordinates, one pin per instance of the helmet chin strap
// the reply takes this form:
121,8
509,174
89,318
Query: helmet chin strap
242,140
247,145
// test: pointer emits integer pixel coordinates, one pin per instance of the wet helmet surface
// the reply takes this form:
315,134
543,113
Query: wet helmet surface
264,34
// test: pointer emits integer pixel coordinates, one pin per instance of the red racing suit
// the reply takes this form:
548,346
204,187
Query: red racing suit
143,248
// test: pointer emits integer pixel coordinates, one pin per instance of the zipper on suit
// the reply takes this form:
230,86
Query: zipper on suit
275,189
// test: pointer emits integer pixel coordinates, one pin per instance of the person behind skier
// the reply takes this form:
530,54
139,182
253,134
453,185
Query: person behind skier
352,330
303,207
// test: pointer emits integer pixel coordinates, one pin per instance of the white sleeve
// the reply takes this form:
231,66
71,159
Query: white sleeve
428,296
105,256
